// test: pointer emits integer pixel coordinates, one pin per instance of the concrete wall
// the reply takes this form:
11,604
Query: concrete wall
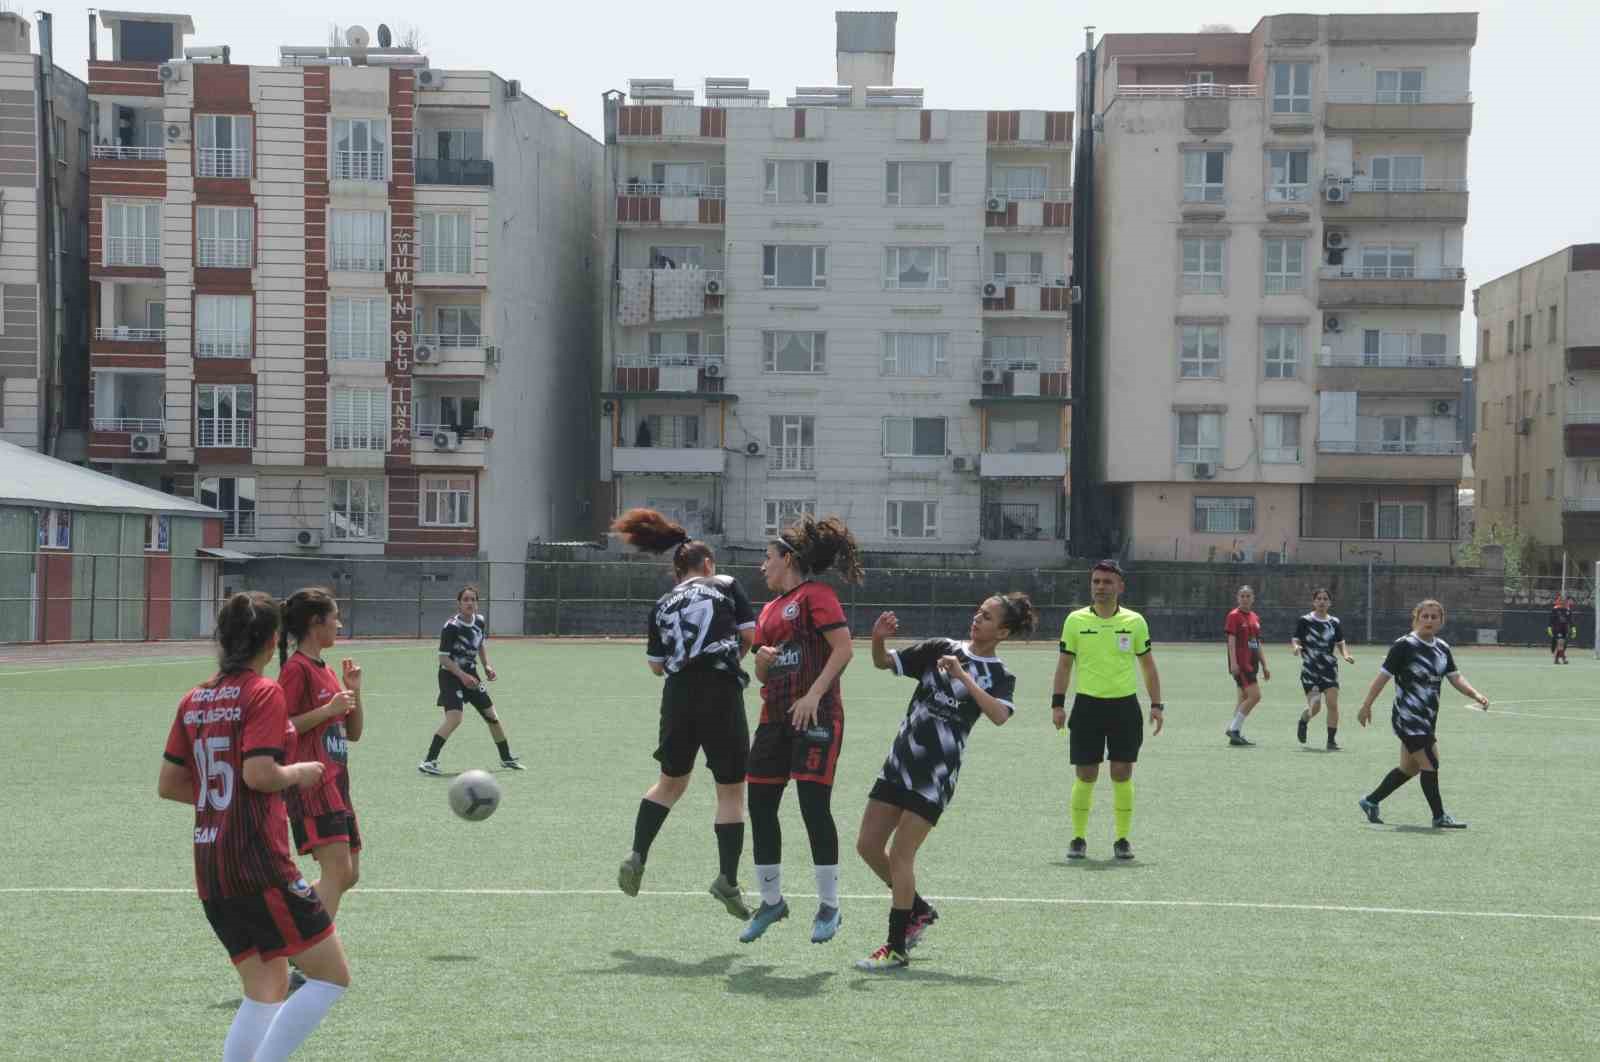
1163,516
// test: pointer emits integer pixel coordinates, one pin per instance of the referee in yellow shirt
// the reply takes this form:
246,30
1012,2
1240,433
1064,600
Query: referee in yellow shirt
1104,640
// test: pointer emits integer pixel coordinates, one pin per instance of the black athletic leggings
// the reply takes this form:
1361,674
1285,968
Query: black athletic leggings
766,835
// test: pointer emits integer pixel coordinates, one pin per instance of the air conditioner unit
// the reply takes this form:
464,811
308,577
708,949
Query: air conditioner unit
308,539
991,375
1334,239
444,440
491,355
1525,426
1335,193
993,290
430,79
145,443
608,407
1205,470
168,71
1272,556
713,370
513,89
714,286
424,354
959,464
1330,323
995,204
755,448
1443,408
1336,258
174,132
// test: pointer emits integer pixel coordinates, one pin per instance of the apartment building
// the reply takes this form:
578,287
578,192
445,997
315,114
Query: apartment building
44,194
1537,451
346,300
849,303
1277,289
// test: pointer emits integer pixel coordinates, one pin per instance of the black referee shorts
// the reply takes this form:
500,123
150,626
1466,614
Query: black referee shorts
704,710
1105,728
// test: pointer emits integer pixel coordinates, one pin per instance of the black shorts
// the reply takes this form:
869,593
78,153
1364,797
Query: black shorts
281,921
314,831
779,752
704,710
1105,728
1316,685
453,696
900,797
1416,742
1244,679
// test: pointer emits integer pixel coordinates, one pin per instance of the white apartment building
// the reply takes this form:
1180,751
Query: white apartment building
851,303
1277,289
346,300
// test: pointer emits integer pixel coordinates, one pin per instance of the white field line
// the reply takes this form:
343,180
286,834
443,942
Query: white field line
1043,901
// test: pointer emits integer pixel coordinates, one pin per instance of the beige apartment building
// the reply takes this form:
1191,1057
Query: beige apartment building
1537,451
1275,371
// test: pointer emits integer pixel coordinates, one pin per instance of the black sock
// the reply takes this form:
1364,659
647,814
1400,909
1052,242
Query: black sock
1332,730
1430,789
815,809
730,846
647,825
435,747
1391,781
505,749
899,920
919,906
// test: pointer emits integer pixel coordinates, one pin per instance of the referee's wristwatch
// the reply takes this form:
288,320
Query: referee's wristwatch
1158,706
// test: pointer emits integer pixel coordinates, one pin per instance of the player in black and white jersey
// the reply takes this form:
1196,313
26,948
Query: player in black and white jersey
698,633
1317,637
462,642
957,683
1419,663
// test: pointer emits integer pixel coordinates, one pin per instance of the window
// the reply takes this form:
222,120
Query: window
1527,331
914,354
1483,492
1018,267
1280,351
683,178
1387,261
358,149
1506,404
1550,404
1398,434
1550,328
676,256
1286,267
458,326
59,146
355,509
360,418
132,234
913,436
1202,265
1017,353
360,240
1021,182
911,519
1398,520
1291,88
358,328
793,438
680,431
1290,170
798,181
462,144
1506,493
782,512
224,415
457,413
1202,77
1392,349
224,236
675,344
222,326
1280,443
222,145
794,351
1527,403
794,266
235,498
55,529
1549,483
1224,516
446,243
1200,352
1483,418
1395,173
1483,344
446,501
1523,494
1399,86
157,534
1199,437
916,268
1511,336
83,149
1202,176
918,183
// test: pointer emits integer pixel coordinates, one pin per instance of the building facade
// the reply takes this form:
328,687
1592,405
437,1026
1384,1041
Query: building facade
1537,452
346,300
1277,289
852,303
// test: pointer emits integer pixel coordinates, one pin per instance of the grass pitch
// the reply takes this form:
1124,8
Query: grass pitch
1263,917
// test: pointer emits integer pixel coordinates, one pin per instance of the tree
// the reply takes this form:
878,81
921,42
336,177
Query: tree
410,35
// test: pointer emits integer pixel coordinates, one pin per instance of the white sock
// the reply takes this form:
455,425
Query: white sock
1238,722
828,885
298,1019
770,879
250,1023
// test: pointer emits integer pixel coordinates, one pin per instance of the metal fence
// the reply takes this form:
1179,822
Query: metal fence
59,596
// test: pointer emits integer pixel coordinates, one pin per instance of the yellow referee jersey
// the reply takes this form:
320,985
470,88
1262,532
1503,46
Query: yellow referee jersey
1105,649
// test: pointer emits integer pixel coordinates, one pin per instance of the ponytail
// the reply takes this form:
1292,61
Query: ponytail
300,611
247,623
651,532
822,544
1017,613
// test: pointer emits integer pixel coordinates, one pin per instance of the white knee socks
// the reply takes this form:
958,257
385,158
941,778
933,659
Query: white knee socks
298,1019
250,1025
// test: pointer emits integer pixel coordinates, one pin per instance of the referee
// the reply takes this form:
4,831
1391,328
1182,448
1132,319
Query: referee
1106,722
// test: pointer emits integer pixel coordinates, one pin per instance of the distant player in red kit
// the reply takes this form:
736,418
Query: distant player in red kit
225,755
1245,658
804,646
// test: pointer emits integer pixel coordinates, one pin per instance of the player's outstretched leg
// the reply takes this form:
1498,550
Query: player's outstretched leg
653,809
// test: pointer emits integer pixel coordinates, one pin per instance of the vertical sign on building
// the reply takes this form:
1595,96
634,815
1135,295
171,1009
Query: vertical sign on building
402,259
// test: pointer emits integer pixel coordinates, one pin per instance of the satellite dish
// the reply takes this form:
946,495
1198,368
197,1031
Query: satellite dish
385,38
357,37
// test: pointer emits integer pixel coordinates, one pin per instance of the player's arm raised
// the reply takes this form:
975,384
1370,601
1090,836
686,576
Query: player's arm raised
886,624
355,722
341,704
990,705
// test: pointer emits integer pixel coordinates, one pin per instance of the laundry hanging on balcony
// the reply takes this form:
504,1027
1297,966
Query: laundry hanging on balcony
680,293
633,300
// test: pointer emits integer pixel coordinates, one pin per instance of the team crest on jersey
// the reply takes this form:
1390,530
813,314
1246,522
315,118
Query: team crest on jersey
301,888
791,611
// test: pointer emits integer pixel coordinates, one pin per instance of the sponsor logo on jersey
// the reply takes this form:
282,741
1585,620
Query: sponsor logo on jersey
301,888
205,834
1125,643
196,717
337,744
791,611
788,658
205,694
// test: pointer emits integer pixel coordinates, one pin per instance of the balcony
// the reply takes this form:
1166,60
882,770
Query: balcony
1581,433
1393,460
453,354
1398,112
679,120
1384,287
1390,373
223,432
129,334
128,424
650,203
688,374
222,162
129,152
362,257
452,259
360,166
222,343
1021,465
1032,130
1024,379
1370,199
1014,522
450,446
470,173
1025,295
1029,208
1581,505
792,460
668,460
132,251
212,253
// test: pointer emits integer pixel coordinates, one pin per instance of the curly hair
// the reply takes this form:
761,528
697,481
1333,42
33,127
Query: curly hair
1017,613
818,545
247,623
651,532
300,610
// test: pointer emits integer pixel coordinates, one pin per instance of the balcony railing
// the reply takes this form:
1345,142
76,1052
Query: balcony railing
450,340
672,189
1023,363
129,334
223,162
1017,279
358,257
1397,96
445,258
1012,522
1189,92
1199,455
222,343
1389,446
793,459
665,361
131,424
1049,195
426,429
1280,455
224,254
230,432
238,523
1581,505
1407,184
476,172
359,166
1393,272
133,251
1583,416
125,152
1389,361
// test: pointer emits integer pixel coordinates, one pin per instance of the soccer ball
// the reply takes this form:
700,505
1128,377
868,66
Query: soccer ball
474,795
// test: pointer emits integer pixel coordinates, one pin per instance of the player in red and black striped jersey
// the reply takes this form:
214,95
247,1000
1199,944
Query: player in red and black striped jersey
326,717
804,646
225,756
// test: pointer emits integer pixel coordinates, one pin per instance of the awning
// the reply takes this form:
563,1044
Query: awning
224,554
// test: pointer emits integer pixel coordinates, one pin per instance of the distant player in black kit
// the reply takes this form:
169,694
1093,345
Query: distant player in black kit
1560,630
1317,637
462,641
1419,663
698,632
957,682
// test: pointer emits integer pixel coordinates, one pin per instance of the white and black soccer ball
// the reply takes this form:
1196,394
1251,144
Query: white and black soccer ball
474,795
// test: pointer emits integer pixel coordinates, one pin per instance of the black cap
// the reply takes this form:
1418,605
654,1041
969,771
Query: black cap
1108,565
